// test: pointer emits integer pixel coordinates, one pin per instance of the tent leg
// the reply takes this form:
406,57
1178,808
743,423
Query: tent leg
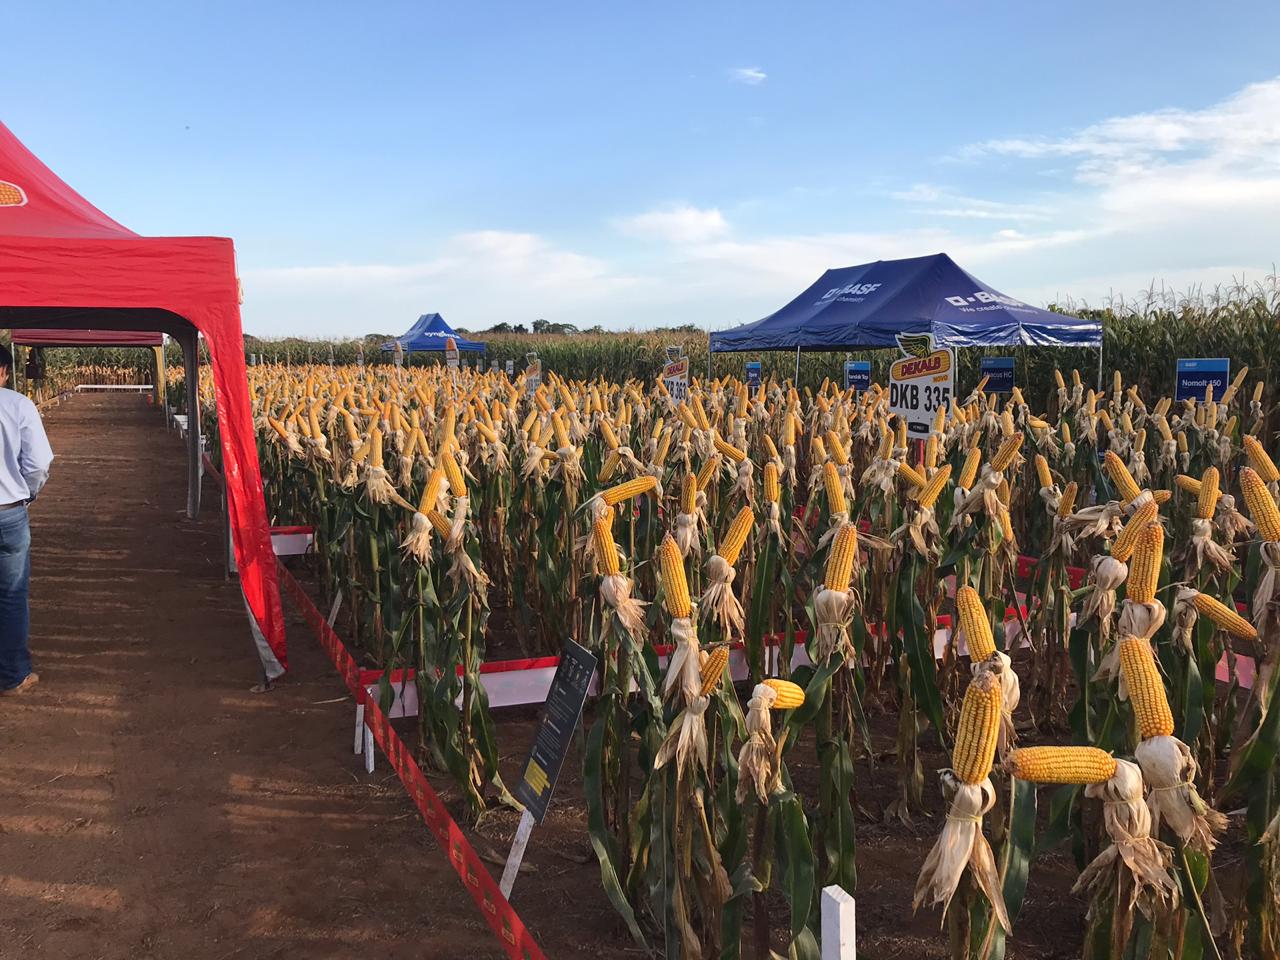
191,370
1099,367
161,398
796,382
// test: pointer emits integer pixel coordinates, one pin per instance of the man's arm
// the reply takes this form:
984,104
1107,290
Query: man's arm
35,454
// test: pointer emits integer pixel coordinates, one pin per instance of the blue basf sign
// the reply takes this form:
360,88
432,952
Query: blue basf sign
1194,374
753,375
857,374
999,371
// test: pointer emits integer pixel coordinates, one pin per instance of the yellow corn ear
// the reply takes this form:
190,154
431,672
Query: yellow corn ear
729,450
675,588
1190,484
1008,449
772,488
969,471
1068,501
610,466
1127,539
1042,472
1062,764
606,549
713,670
629,490
1144,566
439,523
789,695
708,471
1125,485
457,485
929,493
844,550
689,494
431,492
911,475
1261,505
1161,497
1146,689
736,538
1209,493
974,624
610,438
836,448
978,730
1224,616
835,489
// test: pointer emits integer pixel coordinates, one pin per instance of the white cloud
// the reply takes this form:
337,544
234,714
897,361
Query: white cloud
1187,197
675,223
751,76
478,279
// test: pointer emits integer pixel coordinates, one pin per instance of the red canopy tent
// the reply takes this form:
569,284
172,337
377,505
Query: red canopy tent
67,266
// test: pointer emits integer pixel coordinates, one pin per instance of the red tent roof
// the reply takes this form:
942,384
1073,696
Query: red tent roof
64,264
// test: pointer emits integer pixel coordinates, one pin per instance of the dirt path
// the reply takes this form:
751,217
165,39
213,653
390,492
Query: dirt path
150,807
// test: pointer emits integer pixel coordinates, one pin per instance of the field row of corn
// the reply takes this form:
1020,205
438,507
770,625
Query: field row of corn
804,526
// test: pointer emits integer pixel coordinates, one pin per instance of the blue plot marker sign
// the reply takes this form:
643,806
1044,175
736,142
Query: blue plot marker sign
753,375
999,371
857,374
1196,373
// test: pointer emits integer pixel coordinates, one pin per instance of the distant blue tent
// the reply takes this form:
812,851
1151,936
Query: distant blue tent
430,333
867,306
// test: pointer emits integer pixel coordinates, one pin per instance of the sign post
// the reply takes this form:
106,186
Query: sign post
451,355
399,354
676,377
999,374
532,372
560,716
921,382
1196,374
857,374
753,376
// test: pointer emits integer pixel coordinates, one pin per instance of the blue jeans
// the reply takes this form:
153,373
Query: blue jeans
15,615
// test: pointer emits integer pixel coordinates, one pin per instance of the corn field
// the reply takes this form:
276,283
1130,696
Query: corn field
1109,562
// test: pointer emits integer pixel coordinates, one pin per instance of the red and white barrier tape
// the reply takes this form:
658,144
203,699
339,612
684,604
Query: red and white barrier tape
516,940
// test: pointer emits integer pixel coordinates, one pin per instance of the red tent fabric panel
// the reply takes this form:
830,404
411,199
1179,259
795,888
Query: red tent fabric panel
40,337
57,250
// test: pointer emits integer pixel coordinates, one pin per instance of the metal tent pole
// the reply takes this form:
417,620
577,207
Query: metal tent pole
1099,366
796,382
190,341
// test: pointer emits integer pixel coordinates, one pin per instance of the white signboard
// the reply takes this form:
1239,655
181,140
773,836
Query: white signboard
921,382
532,374
451,355
675,375
399,354
511,367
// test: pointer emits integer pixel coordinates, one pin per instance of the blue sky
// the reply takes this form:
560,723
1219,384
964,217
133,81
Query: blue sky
641,164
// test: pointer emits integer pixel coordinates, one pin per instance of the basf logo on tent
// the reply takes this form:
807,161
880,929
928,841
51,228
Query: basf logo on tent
850,293
11,195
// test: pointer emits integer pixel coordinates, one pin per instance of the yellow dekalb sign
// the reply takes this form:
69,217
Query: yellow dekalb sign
921,382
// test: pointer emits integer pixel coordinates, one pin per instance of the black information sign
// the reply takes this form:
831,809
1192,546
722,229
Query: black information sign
559,718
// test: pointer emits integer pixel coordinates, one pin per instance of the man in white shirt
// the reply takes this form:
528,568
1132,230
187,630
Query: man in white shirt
24,467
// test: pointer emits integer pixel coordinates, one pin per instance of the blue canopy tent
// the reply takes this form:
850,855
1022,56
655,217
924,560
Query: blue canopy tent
867,306
430,333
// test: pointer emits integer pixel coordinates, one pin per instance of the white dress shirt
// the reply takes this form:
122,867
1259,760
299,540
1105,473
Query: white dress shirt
25,454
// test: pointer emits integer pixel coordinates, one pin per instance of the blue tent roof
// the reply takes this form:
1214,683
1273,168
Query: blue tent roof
868,305
430,333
